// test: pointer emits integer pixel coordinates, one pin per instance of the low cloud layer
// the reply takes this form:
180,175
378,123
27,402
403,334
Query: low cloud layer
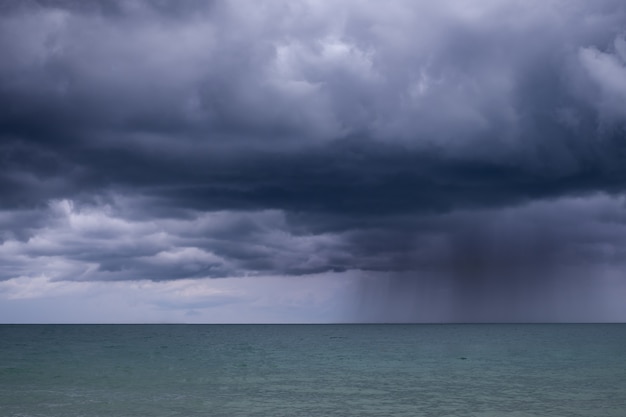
471,151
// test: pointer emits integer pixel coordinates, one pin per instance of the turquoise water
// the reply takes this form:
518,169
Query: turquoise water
312,370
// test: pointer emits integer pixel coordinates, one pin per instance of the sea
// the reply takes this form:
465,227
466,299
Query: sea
495,370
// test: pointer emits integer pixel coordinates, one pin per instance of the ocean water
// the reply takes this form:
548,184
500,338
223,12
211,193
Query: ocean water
312,370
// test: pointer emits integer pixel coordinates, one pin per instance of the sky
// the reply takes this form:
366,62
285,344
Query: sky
312,161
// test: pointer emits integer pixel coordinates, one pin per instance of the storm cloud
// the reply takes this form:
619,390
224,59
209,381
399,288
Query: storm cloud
467,159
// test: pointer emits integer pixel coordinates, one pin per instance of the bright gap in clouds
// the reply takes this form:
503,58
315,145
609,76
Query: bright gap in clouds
313,299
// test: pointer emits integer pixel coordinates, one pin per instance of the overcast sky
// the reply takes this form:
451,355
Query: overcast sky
312,161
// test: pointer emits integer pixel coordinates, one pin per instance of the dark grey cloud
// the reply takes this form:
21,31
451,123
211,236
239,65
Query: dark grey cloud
477,103
478,147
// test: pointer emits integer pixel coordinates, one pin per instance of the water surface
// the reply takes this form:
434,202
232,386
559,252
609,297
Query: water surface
312,370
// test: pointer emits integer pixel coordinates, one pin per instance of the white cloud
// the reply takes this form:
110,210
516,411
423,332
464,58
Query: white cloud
608,72
97,242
